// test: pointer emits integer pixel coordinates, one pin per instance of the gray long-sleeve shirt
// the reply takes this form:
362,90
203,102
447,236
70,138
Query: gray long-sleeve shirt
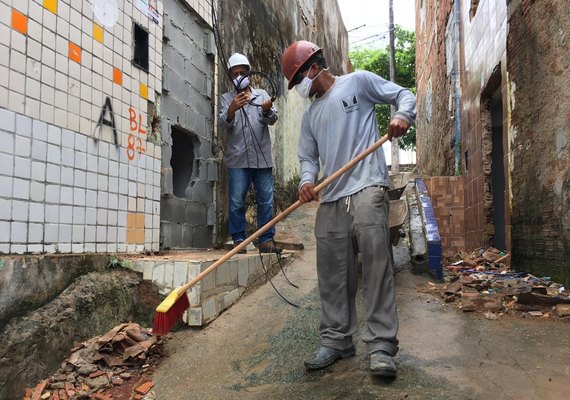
342,124
248,144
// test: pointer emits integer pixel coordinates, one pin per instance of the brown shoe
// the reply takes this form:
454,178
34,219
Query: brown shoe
269,247
237,243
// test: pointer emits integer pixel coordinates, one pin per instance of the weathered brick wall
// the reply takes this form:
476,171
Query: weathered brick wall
482,51
483,73
539,70
447,199
435,153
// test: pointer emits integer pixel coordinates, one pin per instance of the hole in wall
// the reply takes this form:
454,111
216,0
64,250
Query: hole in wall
185,146
140,50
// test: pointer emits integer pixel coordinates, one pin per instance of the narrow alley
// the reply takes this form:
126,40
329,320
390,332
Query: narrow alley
255,350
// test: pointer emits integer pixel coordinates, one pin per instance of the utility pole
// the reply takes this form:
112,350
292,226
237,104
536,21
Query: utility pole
395,144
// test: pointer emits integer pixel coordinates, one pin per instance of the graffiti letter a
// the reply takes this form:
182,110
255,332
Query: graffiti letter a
107,107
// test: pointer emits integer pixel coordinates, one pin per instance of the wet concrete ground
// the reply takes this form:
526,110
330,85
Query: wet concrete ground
255,350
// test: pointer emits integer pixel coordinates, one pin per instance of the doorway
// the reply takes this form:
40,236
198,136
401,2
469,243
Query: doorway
494,169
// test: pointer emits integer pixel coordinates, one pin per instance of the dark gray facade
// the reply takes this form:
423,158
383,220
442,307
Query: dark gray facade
189,170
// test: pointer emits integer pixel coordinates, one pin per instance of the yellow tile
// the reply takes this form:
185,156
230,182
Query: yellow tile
51,5
98,32
143,91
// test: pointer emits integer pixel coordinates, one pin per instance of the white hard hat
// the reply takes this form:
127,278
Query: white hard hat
238,59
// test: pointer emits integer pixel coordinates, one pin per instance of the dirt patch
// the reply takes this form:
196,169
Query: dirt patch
34,346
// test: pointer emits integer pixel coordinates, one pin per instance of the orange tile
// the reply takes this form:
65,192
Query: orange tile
51,5
98,32
143,90
131,220
131,235
19,22
75,52
140,221
117,76
139,236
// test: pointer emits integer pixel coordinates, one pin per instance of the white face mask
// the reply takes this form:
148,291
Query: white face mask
304,87
243,82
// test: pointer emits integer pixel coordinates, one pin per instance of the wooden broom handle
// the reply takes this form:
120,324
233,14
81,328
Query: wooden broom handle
282,215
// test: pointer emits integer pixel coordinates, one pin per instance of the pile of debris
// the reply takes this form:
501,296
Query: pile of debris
116,365
483,281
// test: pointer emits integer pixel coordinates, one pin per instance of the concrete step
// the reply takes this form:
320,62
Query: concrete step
216,291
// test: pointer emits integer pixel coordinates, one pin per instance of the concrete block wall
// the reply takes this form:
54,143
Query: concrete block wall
69,183
215,292
188,212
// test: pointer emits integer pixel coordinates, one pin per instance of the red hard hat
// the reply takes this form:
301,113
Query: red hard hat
295,56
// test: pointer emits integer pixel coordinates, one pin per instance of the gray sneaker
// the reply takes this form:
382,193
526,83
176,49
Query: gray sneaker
325,356
382,364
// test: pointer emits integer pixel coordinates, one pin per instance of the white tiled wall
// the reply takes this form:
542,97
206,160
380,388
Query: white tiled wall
65,186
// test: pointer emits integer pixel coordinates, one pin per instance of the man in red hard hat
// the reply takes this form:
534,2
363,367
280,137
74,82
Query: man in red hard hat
245,113
353,213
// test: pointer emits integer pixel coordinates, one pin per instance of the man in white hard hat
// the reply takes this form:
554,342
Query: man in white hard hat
245,113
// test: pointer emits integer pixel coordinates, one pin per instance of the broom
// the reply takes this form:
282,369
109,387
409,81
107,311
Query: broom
173,306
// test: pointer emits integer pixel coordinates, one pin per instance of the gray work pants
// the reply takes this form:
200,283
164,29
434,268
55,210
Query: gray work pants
356,223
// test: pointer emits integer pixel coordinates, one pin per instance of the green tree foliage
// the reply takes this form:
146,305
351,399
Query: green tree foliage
378,61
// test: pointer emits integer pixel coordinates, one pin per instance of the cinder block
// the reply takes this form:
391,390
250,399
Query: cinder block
208,283
168,274
223,274
212,167
195,294
209,311
180,273
243,271
195,213
231,298
195,316
158,273
137,265
147,271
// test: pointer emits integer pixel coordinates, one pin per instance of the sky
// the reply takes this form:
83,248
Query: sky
374,15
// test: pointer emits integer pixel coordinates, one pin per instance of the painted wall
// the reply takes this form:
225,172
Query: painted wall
79,168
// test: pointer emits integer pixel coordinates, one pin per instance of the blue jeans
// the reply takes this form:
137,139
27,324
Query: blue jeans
240,179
